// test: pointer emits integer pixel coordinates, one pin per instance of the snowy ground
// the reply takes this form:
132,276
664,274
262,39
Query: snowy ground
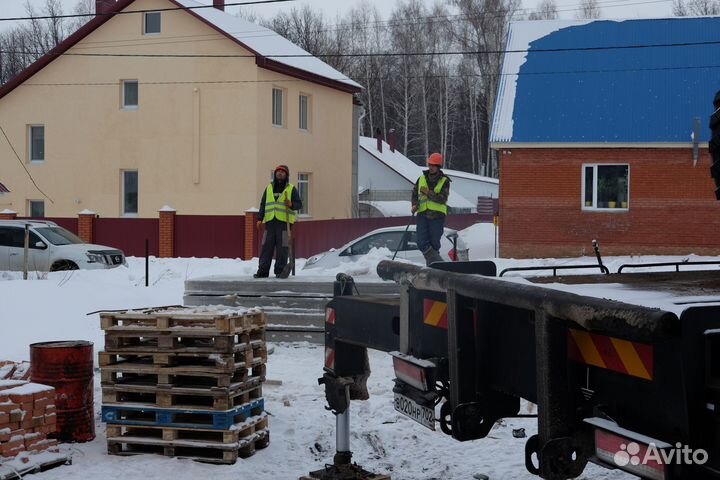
55,307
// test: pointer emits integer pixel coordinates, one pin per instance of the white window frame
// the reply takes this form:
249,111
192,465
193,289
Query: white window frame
122,193
594,207
123,83
304,178
275,107
308,103
145,15
30,145
29,208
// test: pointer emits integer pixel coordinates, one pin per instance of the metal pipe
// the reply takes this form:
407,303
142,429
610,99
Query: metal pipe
589,312
342,431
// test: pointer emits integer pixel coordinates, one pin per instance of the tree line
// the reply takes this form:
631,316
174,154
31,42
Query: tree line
433,100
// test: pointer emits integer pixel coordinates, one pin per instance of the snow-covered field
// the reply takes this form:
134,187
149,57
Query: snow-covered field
56,306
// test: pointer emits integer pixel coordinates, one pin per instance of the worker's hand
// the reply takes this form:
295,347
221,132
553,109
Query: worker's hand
288,203
259,225
424,190
413,209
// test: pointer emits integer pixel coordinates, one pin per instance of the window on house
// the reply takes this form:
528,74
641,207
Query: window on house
37,143
130,94
304,110
304,192
130,192
606,187
36,208
152,23
277,107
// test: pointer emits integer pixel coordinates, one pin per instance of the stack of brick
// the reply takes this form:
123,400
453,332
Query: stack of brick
27,417
185,383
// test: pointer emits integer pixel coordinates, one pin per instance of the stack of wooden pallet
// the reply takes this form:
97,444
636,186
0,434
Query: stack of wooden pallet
185,383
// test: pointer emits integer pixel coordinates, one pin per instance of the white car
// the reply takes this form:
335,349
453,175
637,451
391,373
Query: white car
390,238
51,248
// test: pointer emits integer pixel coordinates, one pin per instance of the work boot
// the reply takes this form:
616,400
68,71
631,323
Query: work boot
431,256
261,275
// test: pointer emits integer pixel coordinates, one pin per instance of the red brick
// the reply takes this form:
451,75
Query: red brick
16,416
50,409
50,419
5,435
12,448
7,407
21,398
4,419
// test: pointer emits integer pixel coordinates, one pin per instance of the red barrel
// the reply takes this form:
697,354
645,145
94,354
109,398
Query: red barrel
67,366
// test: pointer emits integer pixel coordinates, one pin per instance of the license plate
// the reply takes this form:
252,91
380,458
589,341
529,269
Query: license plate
423,415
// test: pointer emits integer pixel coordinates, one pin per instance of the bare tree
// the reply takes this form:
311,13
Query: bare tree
547,10
589,9
681,8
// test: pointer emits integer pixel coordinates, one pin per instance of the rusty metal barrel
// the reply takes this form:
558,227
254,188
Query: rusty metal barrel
67,366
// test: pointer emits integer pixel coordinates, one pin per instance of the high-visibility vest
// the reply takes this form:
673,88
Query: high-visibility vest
276,209
424,203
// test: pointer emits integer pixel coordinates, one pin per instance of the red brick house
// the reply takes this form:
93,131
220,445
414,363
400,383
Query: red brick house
594,128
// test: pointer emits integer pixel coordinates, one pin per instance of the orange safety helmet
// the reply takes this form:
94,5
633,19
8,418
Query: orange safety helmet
435,159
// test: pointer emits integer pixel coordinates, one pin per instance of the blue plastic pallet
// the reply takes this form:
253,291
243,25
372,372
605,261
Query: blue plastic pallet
168,417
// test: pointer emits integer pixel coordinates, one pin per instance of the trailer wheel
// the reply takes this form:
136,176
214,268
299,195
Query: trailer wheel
446,419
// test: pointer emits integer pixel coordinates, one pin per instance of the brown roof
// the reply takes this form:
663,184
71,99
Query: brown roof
99,20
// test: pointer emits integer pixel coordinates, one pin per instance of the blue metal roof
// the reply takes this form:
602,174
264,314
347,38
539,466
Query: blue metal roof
632,95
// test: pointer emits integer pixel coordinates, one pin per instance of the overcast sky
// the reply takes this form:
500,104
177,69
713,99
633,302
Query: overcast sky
610,8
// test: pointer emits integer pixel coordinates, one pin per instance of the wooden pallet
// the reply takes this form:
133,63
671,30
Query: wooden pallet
177,397
211,447
181,418
177,321
200,341
148,375
210,363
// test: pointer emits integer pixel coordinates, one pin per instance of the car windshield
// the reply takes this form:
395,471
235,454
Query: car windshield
58,236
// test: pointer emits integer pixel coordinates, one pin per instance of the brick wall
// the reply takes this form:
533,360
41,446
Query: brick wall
672,208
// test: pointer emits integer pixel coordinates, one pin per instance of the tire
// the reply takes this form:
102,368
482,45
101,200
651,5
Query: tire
63,265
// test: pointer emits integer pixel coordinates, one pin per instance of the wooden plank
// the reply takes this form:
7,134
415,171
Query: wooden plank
176,321
220,399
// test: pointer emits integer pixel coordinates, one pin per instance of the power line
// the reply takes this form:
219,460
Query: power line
22,164
112,14
374,54
469,75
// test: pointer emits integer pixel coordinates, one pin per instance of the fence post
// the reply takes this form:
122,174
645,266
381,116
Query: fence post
8,214
167,232
86,225
250,250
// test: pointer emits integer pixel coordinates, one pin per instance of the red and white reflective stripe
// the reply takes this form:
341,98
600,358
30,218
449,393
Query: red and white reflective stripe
627,454
330,315
410,374
330,358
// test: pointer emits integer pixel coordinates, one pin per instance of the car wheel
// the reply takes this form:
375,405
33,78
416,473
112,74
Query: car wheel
63,265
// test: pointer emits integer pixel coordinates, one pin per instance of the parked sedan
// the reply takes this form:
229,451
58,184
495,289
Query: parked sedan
451,247
51,248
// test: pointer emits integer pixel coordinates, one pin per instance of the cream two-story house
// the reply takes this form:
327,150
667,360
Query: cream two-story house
160,102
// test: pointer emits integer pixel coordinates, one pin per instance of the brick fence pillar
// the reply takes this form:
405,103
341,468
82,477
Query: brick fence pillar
167,232
86,225
251,238
8,215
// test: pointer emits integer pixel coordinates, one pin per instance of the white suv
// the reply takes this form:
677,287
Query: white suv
52,248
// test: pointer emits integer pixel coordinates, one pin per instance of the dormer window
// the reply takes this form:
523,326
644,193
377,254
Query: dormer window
151,22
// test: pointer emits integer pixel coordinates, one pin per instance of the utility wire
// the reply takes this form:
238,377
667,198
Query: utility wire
472,75
351,26
112,14
372,54
22,164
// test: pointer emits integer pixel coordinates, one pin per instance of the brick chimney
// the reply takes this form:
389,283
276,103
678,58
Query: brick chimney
219,4
104,6
392,140
378,135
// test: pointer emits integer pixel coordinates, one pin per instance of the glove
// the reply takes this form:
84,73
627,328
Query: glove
288,203
414,208
424,190
259,225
